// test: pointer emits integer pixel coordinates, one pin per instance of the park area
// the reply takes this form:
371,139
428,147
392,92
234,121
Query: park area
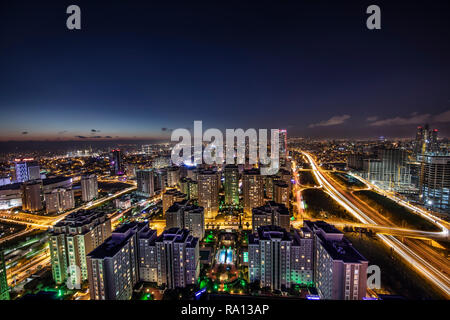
396,213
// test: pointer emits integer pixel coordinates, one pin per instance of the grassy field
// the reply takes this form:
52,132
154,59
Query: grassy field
347,180
307,178
396,213
396,276
320,205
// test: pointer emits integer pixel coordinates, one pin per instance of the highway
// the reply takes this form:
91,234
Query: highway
23,270
45,222
432,266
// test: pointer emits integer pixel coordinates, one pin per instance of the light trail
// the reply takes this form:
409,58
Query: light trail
434,275
433,219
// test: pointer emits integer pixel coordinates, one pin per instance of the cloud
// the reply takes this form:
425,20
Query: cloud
333,121
62,132
413,119
443,117
90,137
372,118
94,130
24,132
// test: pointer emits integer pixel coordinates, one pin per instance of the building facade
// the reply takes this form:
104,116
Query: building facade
73,238
271,213
89,187
208,192
186,215
253,190
340,271
231,185
32,196
278,259
145,182
115,266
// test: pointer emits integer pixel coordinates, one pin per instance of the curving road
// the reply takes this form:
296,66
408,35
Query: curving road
432,266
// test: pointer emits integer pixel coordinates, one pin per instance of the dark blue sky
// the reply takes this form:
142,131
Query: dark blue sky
137,67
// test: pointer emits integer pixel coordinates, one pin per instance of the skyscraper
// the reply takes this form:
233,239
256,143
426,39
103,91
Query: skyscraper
253,190
89,187
271,213
73,238
32,197
116,162
145,182
340,271
231,185
208,192
426,140
183,214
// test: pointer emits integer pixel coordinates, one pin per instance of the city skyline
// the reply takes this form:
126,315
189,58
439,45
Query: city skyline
315,164
161,66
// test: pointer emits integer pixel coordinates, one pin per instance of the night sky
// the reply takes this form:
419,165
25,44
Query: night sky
138,69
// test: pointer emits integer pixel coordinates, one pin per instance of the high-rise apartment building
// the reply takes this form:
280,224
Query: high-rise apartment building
271,213
59,200
89,187
231,185
176,252
340,271
173,176
145,182
279,259
253,190
208,192
73,238
268,186
116,162
32,197
281,192
170,197
186,215
115,266
193,190
160,179
184,186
